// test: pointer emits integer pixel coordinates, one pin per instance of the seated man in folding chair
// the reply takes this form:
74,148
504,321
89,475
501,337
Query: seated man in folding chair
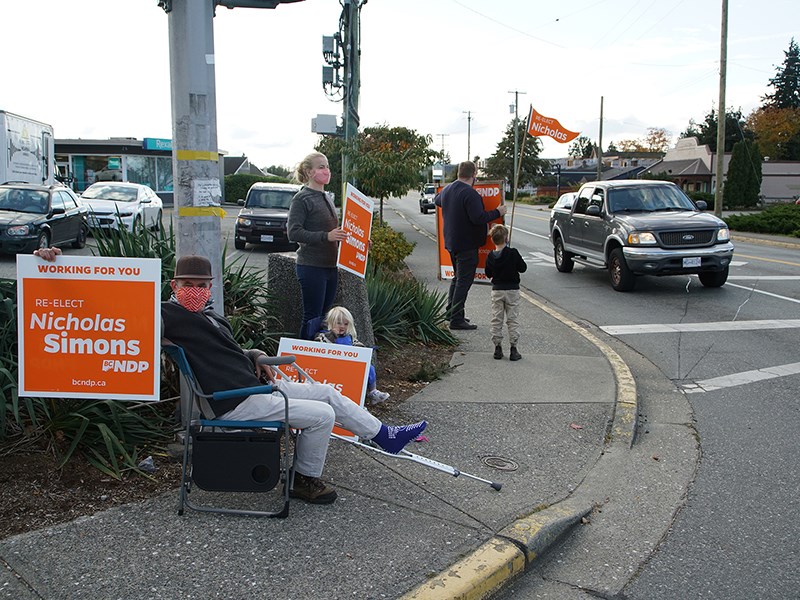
219,363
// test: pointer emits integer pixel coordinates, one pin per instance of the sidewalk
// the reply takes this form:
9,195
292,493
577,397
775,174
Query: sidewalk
538,426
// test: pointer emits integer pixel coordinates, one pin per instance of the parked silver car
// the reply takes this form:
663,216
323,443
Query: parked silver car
114,204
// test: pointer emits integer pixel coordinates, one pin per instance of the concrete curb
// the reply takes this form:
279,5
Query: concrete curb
517,546
737,237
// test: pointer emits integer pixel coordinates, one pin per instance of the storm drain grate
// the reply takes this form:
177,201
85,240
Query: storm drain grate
500,463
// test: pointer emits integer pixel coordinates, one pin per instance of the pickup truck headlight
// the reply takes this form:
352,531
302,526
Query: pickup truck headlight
18,230
244,222
640,238
723,235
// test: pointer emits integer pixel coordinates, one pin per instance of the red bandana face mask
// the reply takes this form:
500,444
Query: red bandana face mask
193,298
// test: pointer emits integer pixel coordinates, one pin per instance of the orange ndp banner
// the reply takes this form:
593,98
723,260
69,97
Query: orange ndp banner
344,367
357,222
539,125
89,327
493,195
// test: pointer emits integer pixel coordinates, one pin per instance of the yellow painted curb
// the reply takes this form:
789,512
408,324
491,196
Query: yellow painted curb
475,576
538,531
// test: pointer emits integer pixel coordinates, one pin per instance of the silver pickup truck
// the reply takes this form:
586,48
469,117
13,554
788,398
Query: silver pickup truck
640,227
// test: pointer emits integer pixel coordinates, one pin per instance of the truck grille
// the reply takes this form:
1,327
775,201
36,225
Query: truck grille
702,237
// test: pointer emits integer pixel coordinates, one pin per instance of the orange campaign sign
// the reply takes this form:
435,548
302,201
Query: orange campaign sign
344,367
539,125
493,195
89,327
357,222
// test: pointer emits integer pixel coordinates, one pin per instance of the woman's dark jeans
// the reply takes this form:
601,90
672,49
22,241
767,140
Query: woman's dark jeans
318,290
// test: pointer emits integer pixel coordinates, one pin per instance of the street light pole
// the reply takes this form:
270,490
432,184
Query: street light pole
516,136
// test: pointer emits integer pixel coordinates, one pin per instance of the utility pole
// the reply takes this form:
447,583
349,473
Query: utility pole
351,26
515,110
442,135
195,158
600,145
469,120
722,113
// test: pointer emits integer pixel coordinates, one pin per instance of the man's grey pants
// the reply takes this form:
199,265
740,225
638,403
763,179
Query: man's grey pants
505,302
313,407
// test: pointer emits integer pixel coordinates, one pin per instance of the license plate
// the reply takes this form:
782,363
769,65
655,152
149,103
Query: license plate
268,238
692,261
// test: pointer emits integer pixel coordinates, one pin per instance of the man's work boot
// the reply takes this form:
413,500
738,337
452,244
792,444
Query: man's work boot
312,489
514,355
498,352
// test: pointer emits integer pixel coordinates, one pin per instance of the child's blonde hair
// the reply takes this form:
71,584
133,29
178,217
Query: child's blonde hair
499,234
339,315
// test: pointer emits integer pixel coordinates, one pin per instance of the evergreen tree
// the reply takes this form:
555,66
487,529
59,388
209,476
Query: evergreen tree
786,81
582,147
501,164
743,183
706,132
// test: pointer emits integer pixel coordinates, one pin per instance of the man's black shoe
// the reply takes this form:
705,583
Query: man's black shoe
463,325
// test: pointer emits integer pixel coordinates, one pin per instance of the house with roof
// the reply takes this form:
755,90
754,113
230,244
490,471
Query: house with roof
236,165
692,166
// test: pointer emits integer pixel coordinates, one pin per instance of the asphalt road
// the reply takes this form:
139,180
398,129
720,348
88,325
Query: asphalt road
733,350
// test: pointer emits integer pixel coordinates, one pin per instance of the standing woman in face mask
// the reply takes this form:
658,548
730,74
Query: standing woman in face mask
314,225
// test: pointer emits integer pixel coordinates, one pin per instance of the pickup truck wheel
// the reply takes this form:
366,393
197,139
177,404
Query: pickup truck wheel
564,262
239,244
714,278
622,278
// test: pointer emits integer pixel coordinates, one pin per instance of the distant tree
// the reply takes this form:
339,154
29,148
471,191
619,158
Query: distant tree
279,170
582,147
743,183
387,160
631,146
706,132
612,148
657,139
500,165
786,82
777,131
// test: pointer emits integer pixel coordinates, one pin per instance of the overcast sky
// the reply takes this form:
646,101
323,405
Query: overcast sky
100,68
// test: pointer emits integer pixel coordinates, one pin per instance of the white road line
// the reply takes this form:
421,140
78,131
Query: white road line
764,278
540,257
750,289
697,327
743,378
539,235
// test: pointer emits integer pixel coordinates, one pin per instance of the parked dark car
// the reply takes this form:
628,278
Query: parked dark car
264,216
38,216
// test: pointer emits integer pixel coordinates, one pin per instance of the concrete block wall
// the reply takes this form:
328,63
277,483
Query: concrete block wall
351,293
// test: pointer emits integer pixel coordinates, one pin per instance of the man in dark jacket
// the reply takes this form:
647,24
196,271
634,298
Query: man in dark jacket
464,233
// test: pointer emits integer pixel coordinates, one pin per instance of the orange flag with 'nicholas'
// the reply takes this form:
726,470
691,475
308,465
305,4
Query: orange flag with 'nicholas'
539,125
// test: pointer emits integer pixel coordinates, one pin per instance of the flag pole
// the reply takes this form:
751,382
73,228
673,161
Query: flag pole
516,174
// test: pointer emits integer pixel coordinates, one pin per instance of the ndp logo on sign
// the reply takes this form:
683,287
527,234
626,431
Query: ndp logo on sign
125,366
488,192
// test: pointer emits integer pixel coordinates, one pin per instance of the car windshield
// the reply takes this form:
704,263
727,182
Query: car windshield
429,189
27,201
269,199
117,193
649,198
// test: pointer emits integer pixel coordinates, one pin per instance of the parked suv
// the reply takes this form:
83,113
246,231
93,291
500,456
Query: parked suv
264,216
426,199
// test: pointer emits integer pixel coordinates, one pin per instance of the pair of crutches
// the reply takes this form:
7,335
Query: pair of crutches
403,454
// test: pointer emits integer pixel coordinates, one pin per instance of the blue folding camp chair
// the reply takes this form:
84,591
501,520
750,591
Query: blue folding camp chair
232,456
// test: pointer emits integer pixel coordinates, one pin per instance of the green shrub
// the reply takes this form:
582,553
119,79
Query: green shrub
778,220
403,310
707,197
389,248
236,186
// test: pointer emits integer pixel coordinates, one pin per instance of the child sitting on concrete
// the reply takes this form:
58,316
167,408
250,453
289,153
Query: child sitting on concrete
503,266
339,329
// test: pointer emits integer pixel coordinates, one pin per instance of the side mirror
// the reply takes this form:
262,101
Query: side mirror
593,210
58,211
240,202
701,205
145,201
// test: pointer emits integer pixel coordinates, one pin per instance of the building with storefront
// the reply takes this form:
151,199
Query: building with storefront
147,161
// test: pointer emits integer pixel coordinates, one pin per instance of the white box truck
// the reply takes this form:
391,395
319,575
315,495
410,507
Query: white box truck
28,150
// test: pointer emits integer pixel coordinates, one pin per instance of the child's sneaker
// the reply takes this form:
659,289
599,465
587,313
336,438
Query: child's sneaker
376,396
